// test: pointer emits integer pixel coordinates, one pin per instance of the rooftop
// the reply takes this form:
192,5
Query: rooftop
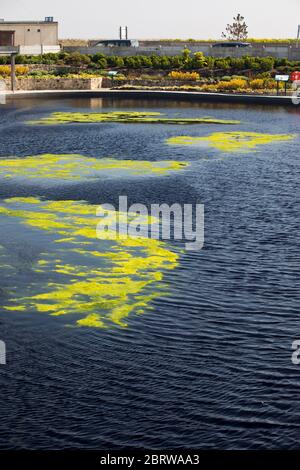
26,22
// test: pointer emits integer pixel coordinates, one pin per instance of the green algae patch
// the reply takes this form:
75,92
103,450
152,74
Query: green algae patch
125,117
96,282
77,167
232,141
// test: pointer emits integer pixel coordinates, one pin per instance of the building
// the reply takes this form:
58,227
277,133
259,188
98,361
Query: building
117,43
32,37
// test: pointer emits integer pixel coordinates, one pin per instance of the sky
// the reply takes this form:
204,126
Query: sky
155,19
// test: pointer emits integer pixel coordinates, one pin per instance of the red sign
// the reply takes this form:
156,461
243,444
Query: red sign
295,76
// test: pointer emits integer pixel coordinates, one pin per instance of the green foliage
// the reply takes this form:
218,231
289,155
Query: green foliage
223,64
4,60
76,59
266,64
199,60
210,66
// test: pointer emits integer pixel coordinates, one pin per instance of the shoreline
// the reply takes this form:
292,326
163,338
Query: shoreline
182,95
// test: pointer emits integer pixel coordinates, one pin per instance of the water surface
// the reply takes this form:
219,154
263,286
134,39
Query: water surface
207,364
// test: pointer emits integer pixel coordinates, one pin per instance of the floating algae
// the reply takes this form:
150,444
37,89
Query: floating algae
99,282
77,167
125,117
232,141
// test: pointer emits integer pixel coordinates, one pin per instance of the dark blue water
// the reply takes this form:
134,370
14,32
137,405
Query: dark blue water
209,366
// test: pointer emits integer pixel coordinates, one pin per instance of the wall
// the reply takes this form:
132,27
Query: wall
257,50
38,50
57,83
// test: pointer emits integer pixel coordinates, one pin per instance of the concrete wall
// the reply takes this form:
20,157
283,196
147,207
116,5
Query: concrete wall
257,50
37,50
58,83
33,33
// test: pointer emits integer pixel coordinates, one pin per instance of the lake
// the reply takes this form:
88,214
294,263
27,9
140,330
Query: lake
147,345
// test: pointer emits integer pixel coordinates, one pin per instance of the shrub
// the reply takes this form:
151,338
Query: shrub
239,77
269,83
199,60
264,75
222,64
38,73
257,84
235,84
190,76
251,63
77,60
20,70
212,88
4,59
237,63
4,70
266,64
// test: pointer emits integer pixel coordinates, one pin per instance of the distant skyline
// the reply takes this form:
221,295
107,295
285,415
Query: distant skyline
159,18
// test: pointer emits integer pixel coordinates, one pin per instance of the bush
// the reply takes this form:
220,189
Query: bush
77,60
251,63
240,77
190,76
38,73
199,60
237,63
4,59
266,64
234,84
257,84
20,70
222,64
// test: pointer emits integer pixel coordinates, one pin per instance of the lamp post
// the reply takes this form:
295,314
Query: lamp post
13,72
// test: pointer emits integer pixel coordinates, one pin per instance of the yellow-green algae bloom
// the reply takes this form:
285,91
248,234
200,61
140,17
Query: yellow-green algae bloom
96,282
125,117
77,167
232,141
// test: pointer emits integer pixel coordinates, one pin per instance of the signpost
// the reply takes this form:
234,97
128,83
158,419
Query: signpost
112,74
282,78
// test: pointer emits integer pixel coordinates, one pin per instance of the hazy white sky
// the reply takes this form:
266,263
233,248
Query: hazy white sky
158,18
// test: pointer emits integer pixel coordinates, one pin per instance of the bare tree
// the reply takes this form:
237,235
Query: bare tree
236,31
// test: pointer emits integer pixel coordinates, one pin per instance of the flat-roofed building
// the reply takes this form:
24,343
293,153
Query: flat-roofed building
32,37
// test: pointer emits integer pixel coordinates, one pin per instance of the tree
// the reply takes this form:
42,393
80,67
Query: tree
186,55
77,60
236,31
199,60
